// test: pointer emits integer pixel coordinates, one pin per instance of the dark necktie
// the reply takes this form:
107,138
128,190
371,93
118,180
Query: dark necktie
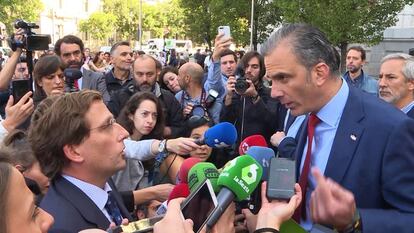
112,207
303,179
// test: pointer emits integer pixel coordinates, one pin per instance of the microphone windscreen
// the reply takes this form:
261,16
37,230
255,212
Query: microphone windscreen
185,167
253,140
223,134
72,73
201,171
241,176
179,190
262,155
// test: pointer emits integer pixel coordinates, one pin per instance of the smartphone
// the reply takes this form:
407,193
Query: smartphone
282,179
19,88
199,205
224,30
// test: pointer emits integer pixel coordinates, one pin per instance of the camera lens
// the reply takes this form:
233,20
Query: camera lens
241,85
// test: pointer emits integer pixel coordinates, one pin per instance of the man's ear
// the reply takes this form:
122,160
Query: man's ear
410,84
72,153
321,73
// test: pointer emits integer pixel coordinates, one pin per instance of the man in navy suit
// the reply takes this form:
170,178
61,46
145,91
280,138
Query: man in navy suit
396,81
362,146
79,147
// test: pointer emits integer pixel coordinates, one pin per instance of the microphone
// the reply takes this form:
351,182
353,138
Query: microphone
237,181
179,190
72,73
253,140
201,171
222,135
262,155
185,168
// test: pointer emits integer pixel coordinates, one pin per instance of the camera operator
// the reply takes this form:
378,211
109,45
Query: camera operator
9,69
193,96
70,49
248,103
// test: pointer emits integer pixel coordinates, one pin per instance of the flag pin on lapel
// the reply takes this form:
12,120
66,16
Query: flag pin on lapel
353,137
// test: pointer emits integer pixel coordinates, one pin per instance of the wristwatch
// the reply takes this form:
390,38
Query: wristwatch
355,226
162,147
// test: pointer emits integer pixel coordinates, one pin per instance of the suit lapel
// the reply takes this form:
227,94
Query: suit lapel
82,203
86,79
347,137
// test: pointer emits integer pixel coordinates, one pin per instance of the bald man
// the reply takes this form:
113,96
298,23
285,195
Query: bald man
193,95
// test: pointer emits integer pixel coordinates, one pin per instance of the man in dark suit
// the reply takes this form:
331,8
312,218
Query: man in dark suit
79,146
70,50
396,81
362,144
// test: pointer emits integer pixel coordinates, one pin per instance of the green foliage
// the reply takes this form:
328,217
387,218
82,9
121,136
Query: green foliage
160,18
203,17
99,24
10,10
345,21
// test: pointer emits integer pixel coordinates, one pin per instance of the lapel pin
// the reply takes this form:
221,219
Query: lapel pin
353,137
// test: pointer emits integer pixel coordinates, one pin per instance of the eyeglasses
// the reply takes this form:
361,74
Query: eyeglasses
108,125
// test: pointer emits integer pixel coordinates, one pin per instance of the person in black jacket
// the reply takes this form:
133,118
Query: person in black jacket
145,73
252,110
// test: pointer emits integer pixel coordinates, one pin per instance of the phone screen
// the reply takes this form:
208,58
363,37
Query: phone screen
20,88
199,205
282,178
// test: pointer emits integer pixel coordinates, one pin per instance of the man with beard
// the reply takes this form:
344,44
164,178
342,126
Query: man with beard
70,49
145,71
396,81
355,76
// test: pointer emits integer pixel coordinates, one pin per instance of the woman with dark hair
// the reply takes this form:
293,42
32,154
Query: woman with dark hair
143,118
168,79
98,63
17,209
48,77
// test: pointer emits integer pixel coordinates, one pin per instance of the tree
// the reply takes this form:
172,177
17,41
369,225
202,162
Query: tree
10,10
203,18
99,24
345,21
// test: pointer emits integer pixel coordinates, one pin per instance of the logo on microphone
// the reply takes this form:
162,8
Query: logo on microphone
249,174
219,144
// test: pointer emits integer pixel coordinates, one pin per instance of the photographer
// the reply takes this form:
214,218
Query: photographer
194,99
248,103
9,69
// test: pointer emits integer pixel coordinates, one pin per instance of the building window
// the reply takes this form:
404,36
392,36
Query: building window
60,4
86,6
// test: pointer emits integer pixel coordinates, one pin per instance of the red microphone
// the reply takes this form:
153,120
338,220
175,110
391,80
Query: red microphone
185,168
179,190
253,140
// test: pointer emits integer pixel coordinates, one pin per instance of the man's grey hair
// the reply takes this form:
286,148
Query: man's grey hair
308,43
408,68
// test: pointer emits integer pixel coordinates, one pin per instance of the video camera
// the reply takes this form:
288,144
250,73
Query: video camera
71,74
241,84
31,41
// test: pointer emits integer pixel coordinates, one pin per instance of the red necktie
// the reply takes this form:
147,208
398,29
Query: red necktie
303,179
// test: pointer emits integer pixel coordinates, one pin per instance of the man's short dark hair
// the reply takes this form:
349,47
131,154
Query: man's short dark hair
69,39
244,61
359,49
63,123
116,45
228,52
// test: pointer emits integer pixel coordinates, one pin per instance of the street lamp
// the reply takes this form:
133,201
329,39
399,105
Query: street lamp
251,26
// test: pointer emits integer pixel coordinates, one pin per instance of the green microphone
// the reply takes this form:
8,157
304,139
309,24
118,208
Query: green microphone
201,171
237,181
